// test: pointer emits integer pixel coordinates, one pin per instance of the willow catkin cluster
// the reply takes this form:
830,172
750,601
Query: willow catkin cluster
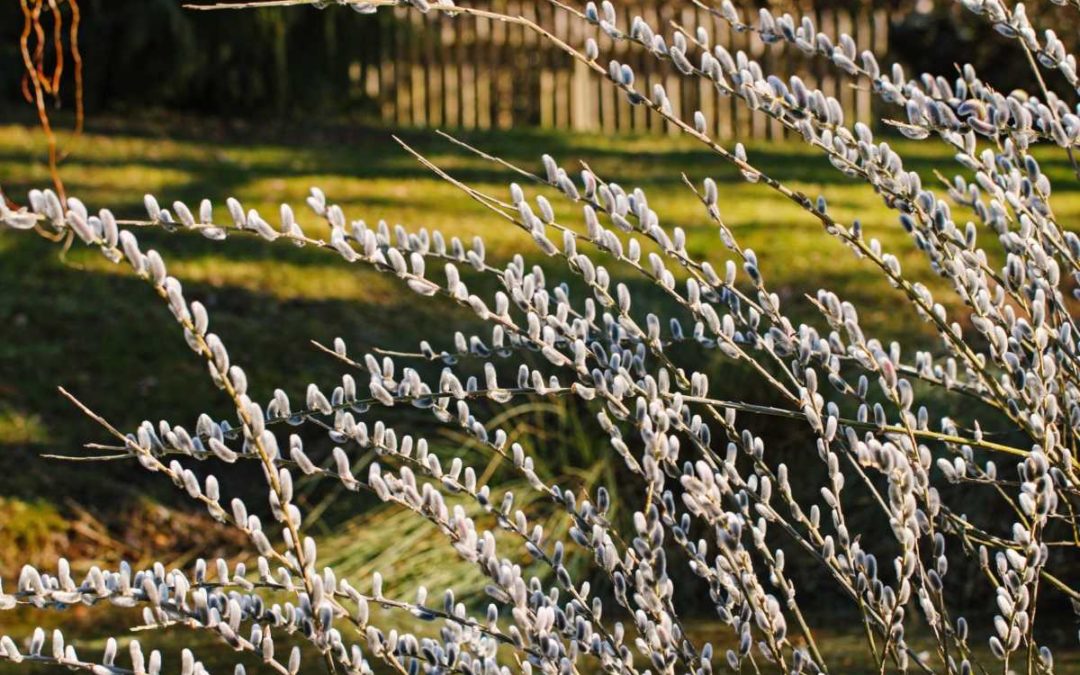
711,507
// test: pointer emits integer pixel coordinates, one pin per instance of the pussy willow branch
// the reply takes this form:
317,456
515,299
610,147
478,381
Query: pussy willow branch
502,209
906,428
947,135
668,415
765,410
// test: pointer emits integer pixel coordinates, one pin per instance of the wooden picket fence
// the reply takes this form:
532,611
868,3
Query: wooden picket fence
466,72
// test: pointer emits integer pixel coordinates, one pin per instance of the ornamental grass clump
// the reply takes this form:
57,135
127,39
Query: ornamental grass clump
709,509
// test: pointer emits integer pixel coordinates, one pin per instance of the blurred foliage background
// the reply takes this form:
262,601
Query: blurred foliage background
155,54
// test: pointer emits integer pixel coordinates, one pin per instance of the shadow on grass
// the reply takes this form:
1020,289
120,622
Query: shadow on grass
231,159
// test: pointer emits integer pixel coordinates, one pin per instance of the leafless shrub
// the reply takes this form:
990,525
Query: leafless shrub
707,492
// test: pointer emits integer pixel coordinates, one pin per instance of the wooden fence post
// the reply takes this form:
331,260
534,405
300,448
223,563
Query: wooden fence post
474,72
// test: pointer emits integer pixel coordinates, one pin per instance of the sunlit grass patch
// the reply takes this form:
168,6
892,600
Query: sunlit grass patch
20,428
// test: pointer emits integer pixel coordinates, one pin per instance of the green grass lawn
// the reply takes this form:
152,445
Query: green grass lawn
90,326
